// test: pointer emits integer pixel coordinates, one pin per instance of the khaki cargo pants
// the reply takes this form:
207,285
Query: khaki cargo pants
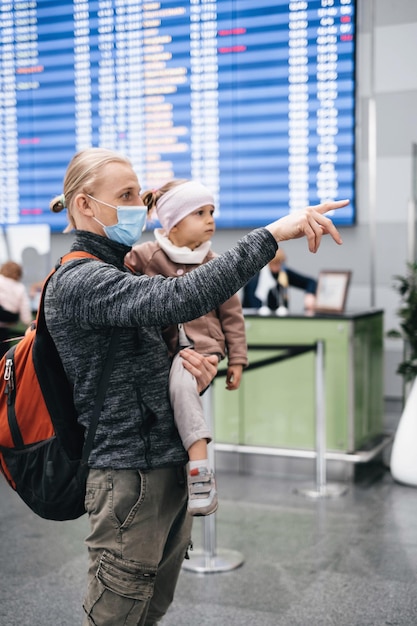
140,532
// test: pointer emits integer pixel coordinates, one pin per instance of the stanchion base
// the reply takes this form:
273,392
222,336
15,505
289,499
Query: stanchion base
326,491
204,563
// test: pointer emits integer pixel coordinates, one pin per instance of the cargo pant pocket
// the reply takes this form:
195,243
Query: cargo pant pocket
120,591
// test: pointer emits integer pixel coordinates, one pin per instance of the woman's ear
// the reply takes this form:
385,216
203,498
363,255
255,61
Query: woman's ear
81,202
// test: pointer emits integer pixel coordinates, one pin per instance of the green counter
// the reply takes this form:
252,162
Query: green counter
275,405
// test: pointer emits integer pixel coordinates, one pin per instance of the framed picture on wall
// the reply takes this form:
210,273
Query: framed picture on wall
332,290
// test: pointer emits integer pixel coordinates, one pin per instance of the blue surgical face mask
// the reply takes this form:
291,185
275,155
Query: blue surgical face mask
131,222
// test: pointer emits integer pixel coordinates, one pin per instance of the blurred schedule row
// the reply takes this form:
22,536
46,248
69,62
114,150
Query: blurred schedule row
254,98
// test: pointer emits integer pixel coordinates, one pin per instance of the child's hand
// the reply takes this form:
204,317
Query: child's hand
234,376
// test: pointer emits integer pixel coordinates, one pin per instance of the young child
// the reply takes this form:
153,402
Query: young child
185,210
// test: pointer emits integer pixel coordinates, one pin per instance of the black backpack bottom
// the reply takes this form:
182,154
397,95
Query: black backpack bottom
52,485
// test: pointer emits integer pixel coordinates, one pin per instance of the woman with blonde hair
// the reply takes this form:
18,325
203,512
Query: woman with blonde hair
136,488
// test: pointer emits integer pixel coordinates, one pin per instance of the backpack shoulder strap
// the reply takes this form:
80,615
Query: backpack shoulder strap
101,394
76,254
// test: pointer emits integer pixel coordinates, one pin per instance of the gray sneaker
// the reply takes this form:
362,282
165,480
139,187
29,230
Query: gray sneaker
202,494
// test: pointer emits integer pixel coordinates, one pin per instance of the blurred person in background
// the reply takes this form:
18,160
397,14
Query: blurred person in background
267,291
14,302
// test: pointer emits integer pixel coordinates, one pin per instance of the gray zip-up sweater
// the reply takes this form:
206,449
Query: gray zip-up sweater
85,299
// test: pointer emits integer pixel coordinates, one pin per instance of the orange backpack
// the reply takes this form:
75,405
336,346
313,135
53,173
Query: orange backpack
42,450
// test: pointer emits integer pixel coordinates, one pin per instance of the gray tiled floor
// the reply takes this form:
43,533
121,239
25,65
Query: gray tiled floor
350,560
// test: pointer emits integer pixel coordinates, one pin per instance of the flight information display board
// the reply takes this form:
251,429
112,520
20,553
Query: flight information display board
254,98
